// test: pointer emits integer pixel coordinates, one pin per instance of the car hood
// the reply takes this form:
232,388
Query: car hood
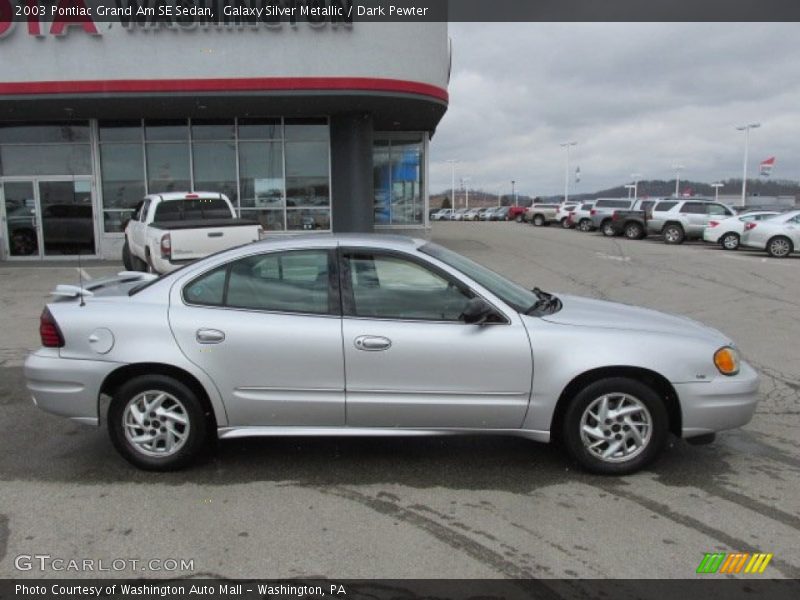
587,312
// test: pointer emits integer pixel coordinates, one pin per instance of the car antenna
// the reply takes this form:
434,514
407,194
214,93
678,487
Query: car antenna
80,279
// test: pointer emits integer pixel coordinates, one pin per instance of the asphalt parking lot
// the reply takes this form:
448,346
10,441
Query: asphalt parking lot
430,508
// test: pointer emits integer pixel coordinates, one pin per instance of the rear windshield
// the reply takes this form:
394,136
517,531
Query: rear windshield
613,204
662,206
193,208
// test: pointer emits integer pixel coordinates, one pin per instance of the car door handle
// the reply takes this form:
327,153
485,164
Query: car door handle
372,343
210,336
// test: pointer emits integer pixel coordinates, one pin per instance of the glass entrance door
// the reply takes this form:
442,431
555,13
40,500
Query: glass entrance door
47,217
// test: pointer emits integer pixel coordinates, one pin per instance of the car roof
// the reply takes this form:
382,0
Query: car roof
389,241
182,195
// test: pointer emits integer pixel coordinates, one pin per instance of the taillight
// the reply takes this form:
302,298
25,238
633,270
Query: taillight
749,226
166,247
614,216
49,331
713,223
593,212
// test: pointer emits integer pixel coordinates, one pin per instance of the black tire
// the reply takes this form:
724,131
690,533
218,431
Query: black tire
633,231
538,220
607,228
23,242
674,234
779,247
198,423
571,433
585,225
127,259
518,219
729,241
565,223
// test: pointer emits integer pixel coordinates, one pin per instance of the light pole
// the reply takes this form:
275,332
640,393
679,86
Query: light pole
636,177
464,185
678,169
629,187
513,193
716,185
453,162
746,129
567,145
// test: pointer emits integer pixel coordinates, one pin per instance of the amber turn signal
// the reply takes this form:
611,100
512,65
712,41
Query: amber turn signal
727,360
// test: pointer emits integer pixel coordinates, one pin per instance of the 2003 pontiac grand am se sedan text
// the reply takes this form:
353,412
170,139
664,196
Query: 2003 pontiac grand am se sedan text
376,335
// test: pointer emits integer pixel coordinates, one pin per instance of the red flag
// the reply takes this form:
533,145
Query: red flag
766,166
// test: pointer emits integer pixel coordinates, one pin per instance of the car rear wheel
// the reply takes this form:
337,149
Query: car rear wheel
730,241
585,225
779,247
565,223
615,426
673,234
126,257
538,220
608,229
518,219
157,423
633,231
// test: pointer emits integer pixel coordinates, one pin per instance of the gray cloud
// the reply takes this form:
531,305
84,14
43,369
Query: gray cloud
636,97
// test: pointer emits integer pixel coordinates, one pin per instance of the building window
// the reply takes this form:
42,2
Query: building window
275,171
398,164
51,148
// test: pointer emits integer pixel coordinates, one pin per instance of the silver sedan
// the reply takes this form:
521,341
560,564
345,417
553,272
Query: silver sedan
370,335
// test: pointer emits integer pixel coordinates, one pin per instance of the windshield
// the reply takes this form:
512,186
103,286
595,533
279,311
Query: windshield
509,292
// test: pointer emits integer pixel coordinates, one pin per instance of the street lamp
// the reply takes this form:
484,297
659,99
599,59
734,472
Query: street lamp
677,169
716,185
464,185
636,177
746,129
567,145
513,193
453,162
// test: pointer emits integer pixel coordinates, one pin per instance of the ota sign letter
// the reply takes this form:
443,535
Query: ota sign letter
65,15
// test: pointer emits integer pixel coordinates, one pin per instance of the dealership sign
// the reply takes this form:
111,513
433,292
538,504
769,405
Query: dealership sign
41,18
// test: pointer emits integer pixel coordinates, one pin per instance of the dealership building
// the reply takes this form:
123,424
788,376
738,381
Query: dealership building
321,126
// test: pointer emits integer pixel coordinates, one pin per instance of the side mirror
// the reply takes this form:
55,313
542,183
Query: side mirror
476,312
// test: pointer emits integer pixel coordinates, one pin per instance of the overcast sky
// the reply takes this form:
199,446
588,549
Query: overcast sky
638,98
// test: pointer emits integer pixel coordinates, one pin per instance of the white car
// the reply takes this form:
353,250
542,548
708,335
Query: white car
728,232
169,230
442,214
779,235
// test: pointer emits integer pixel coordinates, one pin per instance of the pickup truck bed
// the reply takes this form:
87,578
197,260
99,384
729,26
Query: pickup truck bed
201,224
630,223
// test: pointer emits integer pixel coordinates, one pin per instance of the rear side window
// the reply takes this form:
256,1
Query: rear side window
587,207
292,282
694,208
664,206
647,205
613,204
719,210
195,208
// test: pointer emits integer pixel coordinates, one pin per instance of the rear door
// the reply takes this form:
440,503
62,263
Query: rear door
412,362
695,217
267,329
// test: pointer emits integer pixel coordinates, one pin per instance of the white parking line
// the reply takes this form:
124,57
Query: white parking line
84,274
612,257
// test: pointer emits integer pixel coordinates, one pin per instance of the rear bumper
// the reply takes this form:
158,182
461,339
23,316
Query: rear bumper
66,387
724,403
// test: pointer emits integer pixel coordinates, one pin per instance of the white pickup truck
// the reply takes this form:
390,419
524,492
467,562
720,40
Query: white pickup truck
170,230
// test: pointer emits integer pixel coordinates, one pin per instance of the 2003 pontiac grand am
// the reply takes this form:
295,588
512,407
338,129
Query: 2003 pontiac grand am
376,335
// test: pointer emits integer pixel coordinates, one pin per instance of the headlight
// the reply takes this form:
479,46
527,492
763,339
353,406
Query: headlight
726,360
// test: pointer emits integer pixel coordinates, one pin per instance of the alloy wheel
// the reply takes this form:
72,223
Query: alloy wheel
616,427
780,247
730,241
156,423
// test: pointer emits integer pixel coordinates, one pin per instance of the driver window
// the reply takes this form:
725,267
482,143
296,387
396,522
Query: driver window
390,287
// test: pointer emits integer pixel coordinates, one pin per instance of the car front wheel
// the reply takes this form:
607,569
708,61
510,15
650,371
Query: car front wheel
779,247
157,423
615,426
730,241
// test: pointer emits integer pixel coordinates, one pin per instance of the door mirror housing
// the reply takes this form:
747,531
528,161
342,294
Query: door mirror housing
477,311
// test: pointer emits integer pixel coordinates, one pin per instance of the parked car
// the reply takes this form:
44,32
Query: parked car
630,223
679,220
499,214
458,214
581,217
442,214
603,210
779,235
472,214
418,340
562,215
541,214
728,232
170,230
516,213
487,214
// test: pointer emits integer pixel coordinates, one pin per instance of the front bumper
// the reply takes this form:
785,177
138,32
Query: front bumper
711,236
724,403
66,387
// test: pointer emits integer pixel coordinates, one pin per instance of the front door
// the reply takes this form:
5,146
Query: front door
48,217
410,360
